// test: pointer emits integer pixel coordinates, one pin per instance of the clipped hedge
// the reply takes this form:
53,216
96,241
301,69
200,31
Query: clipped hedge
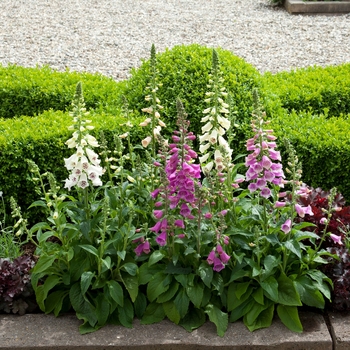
30,91
322,144
313,89
42,139
183,71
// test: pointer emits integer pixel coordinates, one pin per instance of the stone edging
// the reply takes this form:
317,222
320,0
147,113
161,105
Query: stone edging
39,331
325,7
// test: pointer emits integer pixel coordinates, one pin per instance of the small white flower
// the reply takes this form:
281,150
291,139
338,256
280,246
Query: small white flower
93,157
213,137
204,137
224,122
130,178
204,158
72,161
147,110
123,136
145,142
91,141
207,127
208,167
203,148
156,130
161,123
205,119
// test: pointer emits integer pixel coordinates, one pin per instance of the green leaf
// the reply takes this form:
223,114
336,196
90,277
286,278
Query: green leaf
218,317
158,285
294,247
84,309
182,302
116,292
54,301
140,305
240,289
126,313
195,293
258,296
253,313
155,257
232,301
270,287
270,262
168,295
263,320
85,281
290,317
102,309
43,290
321,280
132,285
154,313
171,311
242,309
89,248
206,274
287,293
44,262
178,270
193,320
107,262
130,268
309,293
146,273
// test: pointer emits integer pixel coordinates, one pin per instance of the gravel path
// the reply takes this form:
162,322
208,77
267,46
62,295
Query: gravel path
111,36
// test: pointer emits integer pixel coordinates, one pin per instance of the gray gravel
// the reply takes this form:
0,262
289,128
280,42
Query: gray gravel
112,36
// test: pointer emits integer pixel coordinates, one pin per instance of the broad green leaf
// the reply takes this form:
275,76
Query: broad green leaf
240,288
294,247
154,313
171,311
182,302
107,262
309,293
270,287
264,319
126,313
242,309
195,293
178,270
270,262
206,274
43,237
232,301
130,268
132,285
140,305
323,282
89,248
43,290
54,301
253,313
193,320
146,273
287,293
102,309
158,285
84,310
258,296
218,317
44,262
85,281
116,292
155,257
168,295
290,317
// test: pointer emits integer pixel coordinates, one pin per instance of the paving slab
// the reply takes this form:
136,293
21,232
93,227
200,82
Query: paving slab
317,7
38,331
340,329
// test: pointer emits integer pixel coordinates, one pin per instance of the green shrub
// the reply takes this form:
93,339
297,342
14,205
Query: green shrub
42,139
183,71
322,144
313,89
30,91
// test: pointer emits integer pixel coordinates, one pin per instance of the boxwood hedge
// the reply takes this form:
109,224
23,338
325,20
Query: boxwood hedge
30,91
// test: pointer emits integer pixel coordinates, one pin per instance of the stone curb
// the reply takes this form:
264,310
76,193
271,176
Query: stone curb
39,331
340,330
330,7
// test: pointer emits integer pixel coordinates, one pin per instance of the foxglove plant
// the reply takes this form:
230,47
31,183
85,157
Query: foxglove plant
212,142
84,164
178,192
153,120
